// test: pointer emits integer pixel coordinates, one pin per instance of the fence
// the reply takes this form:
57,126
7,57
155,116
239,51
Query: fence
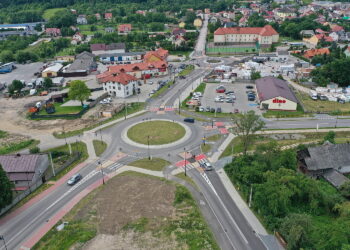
20,197
92,104
75,156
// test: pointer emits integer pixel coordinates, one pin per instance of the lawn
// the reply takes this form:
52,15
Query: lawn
99,146
187,70
180,53
188,179
285,114
205,148
155,164
214,137
334,108
163,89
161,214
135,107
156,132
14,147
229,50
60,110
51,12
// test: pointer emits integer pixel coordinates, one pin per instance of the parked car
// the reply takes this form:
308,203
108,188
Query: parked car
219,99
218,110
236,111
182,77
212,110
251,98
249,87
189,120
220,90
229,92
150,82
201,109
206,166
207,109
74,179
229,100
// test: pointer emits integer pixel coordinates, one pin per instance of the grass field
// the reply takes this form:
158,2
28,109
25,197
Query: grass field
158,132
51,12
63,109
161,214
155,164
205,148
180,53
15,147
99,146
335,108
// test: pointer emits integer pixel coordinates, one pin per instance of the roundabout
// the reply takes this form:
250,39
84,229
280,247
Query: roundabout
159,133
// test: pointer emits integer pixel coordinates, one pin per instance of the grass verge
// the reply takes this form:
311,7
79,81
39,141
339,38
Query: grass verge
163,89
214,137
205,148
135,107
14,147
155,164
59,109
187,70
99,146
186,178
285,114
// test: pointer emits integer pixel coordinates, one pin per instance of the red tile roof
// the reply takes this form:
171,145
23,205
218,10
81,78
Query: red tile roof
122,78
124,27
160,53
336,28
313,52
108,15
267,30
326,38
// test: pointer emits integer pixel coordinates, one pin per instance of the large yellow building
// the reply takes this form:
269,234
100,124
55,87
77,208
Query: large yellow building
248,35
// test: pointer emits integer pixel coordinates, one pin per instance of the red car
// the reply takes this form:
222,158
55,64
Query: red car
220,90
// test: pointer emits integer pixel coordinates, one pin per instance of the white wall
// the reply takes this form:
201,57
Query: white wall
288,105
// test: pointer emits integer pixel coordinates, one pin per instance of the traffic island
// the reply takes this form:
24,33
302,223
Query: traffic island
158,133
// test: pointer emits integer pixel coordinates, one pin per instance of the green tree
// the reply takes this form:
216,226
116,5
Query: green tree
16,86
47,83
345,189
254,75
330,136
255,20
280,77
296,230
246,126
79,91
6,56
5,189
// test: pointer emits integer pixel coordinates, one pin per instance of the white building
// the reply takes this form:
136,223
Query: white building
81,19
274,94
120,85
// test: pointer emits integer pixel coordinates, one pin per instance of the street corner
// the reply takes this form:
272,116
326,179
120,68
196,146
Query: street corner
117,156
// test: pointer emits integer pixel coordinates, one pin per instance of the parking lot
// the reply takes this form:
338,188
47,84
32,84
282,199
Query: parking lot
22,72
241,103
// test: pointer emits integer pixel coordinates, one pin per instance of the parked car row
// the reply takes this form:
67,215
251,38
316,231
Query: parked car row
161,84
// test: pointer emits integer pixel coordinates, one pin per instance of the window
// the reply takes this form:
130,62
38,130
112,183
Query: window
119,88
127,93
113,87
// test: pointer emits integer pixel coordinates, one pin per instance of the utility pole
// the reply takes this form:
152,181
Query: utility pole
185,154
103,178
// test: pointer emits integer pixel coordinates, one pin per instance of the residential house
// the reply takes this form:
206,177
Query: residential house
284,13
108,16
65,58
52,71
207,11
98,16
314,40
124,29
266,36
330,161
213,19
178,41
228,14
53,32
307,33
159,54
243,21
336,28
179,32
81,19
83,65
141,12
101,48
109,30
334,36
120,84
77,38
309,54
24,170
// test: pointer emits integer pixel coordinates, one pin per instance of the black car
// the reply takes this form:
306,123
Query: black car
249,87
251,98
218,110
229,92
189,120
74,179
212,110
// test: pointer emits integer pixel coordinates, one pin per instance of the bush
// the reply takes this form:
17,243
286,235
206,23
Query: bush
181,195
34,150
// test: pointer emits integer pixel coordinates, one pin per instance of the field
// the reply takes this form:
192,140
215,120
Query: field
156,132
51,12
11,143
63,109
133,211
334,108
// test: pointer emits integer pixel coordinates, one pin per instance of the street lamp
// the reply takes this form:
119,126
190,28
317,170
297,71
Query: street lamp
103,178
185,154
3,239
149,153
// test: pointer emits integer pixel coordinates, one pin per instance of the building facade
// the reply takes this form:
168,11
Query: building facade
122,58
265,36
120,85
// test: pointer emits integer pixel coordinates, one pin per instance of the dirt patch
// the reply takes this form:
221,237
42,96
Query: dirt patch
11,139
128,198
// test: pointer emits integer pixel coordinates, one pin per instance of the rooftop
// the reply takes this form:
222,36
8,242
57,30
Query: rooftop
267,30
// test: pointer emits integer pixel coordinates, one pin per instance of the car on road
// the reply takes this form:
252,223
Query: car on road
182,77
206,166
74,179
189,120
249,87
